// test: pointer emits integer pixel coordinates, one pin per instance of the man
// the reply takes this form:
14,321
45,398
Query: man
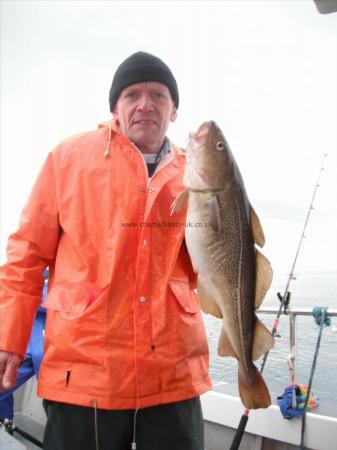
126,355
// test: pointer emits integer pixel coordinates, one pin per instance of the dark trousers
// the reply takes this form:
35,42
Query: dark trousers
173,426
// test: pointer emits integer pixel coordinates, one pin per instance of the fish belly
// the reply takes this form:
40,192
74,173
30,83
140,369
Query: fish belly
224,261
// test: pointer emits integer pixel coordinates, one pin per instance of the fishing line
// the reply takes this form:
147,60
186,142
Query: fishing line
291,274
244,418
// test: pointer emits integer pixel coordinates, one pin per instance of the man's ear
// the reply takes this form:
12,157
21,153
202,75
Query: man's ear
173,114
115,111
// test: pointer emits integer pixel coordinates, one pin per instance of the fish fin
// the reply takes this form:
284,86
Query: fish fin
256,228
225,347
264,276
263,340
254,394
214,213
208,305
179,202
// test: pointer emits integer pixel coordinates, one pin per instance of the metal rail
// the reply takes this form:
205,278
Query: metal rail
293,313
332,312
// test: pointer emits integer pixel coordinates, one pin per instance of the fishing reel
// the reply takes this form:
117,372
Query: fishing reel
7,425
10,428
285,304
286,301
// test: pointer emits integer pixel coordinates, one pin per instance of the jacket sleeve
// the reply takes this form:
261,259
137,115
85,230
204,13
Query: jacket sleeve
30,249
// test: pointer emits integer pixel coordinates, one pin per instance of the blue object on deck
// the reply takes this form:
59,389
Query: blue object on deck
292,402
31,364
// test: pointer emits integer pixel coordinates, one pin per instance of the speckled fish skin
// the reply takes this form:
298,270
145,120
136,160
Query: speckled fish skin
224,255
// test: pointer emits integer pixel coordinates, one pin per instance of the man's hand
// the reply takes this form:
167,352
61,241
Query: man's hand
9,363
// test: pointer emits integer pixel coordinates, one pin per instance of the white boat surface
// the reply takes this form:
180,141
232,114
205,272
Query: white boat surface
266,428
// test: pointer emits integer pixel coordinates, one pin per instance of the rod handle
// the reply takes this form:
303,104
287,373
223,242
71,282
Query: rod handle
239,432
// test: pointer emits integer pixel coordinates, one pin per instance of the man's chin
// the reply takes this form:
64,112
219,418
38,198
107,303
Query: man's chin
146,145
143,139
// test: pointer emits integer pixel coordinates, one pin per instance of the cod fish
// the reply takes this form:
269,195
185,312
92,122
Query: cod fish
233,275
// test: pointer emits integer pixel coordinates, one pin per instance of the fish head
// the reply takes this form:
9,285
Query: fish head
208,159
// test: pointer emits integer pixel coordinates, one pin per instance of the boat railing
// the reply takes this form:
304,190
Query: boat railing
293,313
224,409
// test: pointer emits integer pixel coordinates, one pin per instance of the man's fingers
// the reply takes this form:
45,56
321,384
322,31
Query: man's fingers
9,363
11,372
2,367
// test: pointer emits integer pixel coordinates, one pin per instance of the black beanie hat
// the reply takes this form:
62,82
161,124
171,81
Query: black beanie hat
141,67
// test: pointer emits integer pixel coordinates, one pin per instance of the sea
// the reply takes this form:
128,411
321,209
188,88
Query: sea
308,290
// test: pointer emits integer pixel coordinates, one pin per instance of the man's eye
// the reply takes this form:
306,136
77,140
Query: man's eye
160,95
131,94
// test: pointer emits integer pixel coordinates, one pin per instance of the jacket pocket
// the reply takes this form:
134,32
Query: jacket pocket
186,297
74,299
76,326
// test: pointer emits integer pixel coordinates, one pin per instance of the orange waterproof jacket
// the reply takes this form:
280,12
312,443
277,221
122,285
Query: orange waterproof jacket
124,327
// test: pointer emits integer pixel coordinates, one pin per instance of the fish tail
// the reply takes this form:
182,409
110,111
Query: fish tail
254,393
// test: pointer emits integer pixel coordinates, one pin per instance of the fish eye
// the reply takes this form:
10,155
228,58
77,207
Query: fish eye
220,146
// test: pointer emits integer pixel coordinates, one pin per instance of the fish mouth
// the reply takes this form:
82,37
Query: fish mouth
205,133
206,126
205,162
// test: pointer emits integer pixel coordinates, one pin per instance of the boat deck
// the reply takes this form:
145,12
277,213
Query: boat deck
216,437
266,429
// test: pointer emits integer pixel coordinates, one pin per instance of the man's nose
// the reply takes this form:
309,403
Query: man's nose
145,103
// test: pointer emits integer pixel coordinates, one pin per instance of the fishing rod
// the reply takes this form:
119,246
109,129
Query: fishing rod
283,301
10,428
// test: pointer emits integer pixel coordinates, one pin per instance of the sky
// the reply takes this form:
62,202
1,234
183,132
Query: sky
265,71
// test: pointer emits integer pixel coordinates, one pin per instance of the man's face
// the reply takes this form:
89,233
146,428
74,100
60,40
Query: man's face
144,111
